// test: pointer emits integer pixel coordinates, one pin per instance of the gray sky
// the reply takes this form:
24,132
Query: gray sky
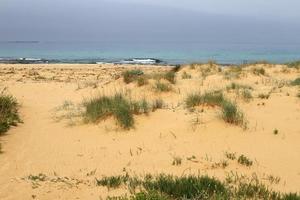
160,20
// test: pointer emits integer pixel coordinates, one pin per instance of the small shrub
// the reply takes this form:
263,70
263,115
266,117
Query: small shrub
214,98
259,71
230,156
111,182
295,64
237,86
131,75
296,82
185,75
264,96
176,68
170,76
275,132
176,161
142,80
8,112
243,160
157,104
231,113
246,94
162,87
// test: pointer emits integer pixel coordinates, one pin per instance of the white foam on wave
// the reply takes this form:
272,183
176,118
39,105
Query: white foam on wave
140,61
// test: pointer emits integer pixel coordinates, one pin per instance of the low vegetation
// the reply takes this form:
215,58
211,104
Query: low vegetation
132,75
259,71
230,111
264,95
296,82
243,160
8,112
237,86
162,87
185,75
118,106
168,187
294,64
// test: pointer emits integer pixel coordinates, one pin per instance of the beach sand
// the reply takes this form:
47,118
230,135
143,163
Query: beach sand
72,154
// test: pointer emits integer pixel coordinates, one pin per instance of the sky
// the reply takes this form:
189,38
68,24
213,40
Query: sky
253,21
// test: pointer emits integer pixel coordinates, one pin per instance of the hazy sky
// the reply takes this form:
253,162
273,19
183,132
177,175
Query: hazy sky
160,20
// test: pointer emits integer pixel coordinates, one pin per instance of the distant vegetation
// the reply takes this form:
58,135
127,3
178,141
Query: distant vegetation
295,64
8,112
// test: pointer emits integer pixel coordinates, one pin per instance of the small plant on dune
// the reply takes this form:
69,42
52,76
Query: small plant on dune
142,80
259,71
214,98
237,86
168,187
231,114
230,156
176,161
162,87
295,64
177,68
246,94
275,132
298,95
8,112
264,96
296,82
243,160
157,104
132,75
185,75
170,76
118,106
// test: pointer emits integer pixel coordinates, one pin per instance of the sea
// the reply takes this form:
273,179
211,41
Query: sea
157,52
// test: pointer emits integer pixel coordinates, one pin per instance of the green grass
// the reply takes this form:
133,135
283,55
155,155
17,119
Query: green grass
259,71
168,187
294,64
214,98
142,80
118,106
296,82
231,113
185,75
264,96
162,87
246,94
243,160
8,112
170,76
237,86
132,75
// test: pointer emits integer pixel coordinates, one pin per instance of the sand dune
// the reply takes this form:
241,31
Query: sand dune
71,154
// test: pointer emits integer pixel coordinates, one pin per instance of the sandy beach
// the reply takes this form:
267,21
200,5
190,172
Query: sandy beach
69,154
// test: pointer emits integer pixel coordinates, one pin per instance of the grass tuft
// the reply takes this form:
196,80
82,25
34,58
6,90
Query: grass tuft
296,82
8,112
259,71
132,75
162,87
231,113
243,160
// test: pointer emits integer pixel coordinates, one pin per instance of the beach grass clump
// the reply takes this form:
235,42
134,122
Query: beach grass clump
185,75
214,98
170,76
142,80
8,112
259,71
157,104
162,87
132,75
243,160
169,187
231,113
237,86
246,95
118,106
294,64
264,95
296,82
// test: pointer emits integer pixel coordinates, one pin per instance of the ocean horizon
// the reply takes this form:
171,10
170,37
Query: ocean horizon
162,52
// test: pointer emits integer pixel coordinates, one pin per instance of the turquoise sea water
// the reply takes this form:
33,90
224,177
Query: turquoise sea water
169,52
